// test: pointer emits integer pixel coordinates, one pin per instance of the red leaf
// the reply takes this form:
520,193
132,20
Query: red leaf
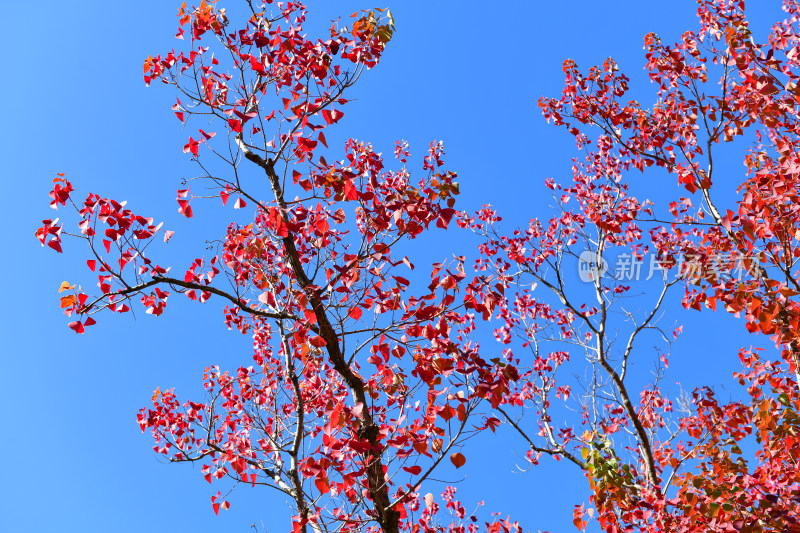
76,326
306,145
413,470
192,146
492,423
447,412
332,116
317,341
256,65
350,191
225,194
445,215
235,125
322,485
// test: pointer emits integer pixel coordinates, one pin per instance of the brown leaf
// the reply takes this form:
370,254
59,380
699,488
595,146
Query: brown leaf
458,459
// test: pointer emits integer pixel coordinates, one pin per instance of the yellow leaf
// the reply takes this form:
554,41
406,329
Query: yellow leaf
65,286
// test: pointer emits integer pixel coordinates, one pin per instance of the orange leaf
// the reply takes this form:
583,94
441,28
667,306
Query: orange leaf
68,301
458,459
65,286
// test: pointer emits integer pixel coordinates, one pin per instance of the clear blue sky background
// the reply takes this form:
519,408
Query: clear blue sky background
468,73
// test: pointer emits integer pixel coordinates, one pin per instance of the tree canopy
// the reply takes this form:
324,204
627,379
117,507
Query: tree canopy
373,372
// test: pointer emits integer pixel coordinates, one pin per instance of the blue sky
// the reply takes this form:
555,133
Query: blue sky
464,72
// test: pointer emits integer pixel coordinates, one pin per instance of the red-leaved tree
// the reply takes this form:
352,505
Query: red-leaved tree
362,384
657,461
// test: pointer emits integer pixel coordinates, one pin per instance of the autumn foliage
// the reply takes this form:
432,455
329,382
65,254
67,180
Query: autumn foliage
367,375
